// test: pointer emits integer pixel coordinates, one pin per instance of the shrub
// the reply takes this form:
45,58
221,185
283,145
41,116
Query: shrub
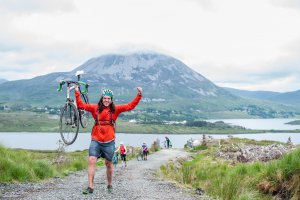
43,169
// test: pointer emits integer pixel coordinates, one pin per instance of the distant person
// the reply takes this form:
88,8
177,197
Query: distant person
123,152
102,144
168,142
115,158
145,150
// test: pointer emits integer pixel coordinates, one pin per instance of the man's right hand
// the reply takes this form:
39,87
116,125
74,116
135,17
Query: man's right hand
139,89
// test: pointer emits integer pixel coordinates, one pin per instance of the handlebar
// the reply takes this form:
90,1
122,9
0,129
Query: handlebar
85,91
60,86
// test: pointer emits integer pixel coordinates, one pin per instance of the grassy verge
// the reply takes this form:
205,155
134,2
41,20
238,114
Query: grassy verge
28,122
18,165
29,165
244,181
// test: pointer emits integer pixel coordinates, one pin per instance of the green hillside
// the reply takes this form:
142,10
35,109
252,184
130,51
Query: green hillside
41,122
223,179
171,90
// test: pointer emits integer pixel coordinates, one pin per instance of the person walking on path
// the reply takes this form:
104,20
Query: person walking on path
115,158
123,152
145,150
168,142
102,143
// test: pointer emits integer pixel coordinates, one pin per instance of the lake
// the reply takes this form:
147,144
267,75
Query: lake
49,141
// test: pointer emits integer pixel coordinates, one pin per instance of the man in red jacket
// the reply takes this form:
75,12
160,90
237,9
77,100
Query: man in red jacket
102,145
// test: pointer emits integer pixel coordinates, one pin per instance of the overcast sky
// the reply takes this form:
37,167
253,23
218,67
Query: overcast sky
244,44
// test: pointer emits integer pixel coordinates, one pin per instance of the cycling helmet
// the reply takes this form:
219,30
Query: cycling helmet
107,92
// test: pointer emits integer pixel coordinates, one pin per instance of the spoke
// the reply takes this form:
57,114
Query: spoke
69,124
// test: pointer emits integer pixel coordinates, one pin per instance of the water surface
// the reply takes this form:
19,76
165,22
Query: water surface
49,141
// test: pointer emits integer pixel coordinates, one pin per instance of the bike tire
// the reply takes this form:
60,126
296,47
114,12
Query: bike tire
69,123
84,116
85,98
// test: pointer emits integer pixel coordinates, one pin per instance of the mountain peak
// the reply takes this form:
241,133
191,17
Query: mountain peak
151,70
125,63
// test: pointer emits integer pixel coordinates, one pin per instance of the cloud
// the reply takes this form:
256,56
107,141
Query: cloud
232,42
207,5
283,84
281,74
294,4
37,6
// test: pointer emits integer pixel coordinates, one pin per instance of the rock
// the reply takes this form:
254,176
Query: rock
251,153
199,191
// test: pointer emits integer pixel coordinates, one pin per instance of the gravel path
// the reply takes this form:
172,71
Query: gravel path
136,181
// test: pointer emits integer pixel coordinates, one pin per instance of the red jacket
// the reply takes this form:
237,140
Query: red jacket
105,133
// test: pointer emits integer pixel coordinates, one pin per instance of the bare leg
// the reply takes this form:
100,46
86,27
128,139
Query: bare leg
109,171
91,170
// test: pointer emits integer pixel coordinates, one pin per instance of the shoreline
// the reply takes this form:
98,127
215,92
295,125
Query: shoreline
252,131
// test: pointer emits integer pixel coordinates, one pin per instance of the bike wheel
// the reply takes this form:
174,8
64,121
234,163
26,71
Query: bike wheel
138,157
84,116
69,123
143,157
85,98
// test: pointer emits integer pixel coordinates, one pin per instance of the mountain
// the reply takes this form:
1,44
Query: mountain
289,98
168,85
160,76
3,80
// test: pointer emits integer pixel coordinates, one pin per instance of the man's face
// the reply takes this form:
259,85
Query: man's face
106,100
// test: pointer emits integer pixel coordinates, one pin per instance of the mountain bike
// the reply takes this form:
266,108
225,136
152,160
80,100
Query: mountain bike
139,154
71,116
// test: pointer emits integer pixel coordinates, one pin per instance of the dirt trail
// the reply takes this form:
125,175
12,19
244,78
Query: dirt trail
136,181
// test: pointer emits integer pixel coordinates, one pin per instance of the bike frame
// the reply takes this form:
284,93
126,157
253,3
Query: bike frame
69,89
69,130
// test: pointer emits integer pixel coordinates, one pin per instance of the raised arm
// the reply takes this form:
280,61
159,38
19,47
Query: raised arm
131,105
80,103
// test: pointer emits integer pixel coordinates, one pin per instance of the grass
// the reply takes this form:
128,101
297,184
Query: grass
27,122
223,180
249,141
126,127
296,122
18,165
41,122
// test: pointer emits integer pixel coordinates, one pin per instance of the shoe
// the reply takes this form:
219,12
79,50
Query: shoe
109,188
88,191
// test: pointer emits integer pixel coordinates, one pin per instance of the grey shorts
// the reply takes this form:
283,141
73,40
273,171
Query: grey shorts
104,150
